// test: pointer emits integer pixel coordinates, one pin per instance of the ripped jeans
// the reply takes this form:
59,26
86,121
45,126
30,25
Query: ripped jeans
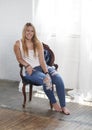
38,77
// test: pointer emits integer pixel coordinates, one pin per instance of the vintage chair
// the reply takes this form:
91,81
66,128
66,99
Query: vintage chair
50,58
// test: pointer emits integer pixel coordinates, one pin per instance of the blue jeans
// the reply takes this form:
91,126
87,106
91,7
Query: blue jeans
38,77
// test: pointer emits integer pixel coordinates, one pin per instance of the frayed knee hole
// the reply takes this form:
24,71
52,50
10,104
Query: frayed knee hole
45,80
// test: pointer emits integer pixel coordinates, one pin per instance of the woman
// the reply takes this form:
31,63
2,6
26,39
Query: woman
29,52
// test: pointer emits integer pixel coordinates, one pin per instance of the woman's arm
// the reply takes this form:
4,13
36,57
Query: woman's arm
20,59
18,54
42,60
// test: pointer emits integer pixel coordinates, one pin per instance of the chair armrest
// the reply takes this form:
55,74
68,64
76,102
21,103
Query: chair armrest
20,65
56,66
21,70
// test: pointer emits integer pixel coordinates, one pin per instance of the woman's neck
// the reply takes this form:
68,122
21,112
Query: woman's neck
29,45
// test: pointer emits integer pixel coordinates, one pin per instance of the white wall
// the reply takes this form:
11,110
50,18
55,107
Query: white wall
13,15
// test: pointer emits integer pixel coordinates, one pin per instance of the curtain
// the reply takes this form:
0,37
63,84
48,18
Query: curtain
85,69
61,24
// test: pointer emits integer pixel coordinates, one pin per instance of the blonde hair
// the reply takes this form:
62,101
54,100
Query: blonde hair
36,42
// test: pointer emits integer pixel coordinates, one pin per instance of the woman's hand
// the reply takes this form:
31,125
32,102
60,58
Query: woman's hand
48,76
29,69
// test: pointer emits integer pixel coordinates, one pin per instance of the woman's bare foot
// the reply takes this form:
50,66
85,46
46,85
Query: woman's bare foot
57,107
65,111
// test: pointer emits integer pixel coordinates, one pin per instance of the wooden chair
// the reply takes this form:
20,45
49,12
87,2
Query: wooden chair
50,58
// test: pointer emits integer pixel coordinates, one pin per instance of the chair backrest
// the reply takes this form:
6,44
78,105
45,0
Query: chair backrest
48,55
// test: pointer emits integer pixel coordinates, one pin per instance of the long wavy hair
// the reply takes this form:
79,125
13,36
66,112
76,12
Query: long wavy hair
36,42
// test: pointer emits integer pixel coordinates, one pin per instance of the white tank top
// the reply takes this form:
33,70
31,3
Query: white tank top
30,59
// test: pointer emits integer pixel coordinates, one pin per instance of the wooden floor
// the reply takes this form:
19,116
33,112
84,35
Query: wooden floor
37,114
15,120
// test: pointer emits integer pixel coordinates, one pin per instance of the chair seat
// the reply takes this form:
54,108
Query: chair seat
27,81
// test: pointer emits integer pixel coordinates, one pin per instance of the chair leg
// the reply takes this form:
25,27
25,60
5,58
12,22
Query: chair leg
51,106
30,92
24,94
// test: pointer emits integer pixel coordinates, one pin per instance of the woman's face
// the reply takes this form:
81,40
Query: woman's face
29,33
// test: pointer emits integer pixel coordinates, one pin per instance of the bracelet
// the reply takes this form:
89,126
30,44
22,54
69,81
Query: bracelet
46,72
27,66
